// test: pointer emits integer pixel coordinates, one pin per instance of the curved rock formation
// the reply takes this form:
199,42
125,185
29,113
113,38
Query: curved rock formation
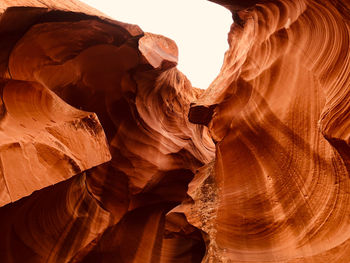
41,140
108,154
280,124
128,79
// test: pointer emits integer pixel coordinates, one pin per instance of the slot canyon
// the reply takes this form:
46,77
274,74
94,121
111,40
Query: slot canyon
109,154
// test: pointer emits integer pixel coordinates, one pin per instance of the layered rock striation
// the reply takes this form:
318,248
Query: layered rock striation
108,154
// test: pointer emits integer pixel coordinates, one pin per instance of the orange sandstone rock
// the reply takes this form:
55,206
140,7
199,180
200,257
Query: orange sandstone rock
128,79
129,163
281,168
43,140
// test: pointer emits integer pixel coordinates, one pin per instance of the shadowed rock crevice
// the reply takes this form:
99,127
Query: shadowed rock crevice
199,114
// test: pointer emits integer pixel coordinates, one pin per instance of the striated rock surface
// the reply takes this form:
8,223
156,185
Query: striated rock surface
280,124
41,140
108,154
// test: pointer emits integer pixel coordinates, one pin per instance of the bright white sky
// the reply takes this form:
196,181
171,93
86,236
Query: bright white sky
198,27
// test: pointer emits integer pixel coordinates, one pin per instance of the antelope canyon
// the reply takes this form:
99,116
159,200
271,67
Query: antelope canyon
109,154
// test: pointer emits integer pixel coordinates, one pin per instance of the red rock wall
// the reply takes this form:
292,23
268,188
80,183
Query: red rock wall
280,124
108,154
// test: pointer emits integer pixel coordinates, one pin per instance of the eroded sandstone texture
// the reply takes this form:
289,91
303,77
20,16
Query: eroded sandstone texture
108,154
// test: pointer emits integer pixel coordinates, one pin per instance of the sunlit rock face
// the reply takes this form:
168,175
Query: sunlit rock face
108,154
95,140
281,127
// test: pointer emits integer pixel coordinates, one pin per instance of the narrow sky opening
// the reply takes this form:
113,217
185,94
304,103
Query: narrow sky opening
198,27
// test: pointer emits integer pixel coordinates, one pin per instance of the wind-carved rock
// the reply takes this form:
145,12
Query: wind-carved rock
280,124
116,209
41,140
108,154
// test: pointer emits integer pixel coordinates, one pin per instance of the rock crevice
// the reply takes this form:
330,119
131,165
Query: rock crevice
108,154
